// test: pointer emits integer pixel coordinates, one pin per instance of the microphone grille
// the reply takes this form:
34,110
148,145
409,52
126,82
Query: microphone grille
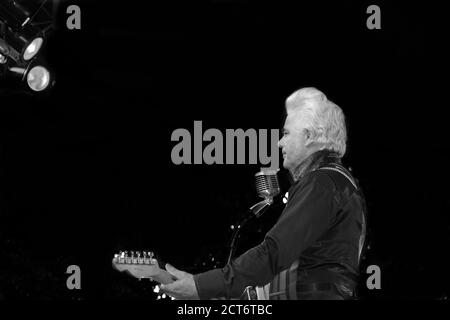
267,183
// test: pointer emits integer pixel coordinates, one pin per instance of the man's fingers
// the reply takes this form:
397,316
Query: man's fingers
174,271
166,288
169,290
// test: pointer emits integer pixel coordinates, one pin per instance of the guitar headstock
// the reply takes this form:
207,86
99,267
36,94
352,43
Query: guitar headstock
141,265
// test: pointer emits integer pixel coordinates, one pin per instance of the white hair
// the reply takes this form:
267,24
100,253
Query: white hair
323,118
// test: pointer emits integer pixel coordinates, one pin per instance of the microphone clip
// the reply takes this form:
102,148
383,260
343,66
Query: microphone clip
259,208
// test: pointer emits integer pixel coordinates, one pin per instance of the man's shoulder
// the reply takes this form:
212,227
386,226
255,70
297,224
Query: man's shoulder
317,178
339,176
314,185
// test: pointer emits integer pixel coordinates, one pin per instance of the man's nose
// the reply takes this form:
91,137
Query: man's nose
280,143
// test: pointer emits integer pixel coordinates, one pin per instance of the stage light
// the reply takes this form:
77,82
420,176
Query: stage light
33,48
38,78
22,36
27,41
19,31
26,45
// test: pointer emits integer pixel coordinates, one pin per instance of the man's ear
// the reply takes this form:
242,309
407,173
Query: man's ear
308,137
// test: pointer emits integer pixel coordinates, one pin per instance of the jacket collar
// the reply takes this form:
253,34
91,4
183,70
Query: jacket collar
313,162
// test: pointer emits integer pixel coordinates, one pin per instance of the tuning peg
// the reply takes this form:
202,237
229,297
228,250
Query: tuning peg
127,257
151,257
121,257
146,259
140,258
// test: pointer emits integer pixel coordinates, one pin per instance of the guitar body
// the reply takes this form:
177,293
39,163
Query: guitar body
256,293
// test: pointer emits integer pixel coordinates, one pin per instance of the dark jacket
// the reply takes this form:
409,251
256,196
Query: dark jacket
317,239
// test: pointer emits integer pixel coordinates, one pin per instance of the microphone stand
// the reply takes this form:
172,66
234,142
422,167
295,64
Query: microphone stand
255,211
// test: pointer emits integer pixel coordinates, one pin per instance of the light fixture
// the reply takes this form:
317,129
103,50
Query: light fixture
26,41
38,78
20,42
33,48
19,32
34,76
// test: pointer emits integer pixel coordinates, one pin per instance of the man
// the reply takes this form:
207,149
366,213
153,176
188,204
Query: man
313,251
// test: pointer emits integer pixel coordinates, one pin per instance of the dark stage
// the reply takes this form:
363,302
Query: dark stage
86,169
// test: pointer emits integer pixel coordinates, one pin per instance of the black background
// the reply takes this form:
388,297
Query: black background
86,169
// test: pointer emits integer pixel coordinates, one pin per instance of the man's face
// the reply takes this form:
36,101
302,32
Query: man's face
293,143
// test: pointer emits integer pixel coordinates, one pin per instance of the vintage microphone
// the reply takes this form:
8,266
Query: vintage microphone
267,187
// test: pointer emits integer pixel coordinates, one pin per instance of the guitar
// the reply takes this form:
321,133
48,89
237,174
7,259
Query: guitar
141,265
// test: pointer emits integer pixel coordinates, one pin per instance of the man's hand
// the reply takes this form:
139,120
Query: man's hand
183,288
